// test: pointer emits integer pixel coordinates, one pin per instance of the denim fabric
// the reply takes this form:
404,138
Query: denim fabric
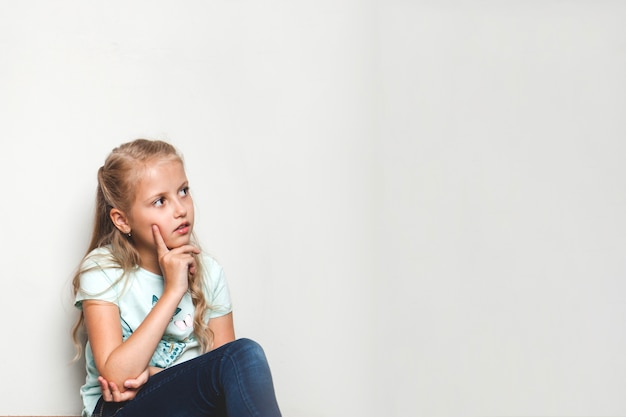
233,380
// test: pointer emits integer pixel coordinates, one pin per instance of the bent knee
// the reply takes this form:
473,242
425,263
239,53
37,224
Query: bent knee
246,347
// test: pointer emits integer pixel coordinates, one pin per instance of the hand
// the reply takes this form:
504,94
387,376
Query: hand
111,392
176,264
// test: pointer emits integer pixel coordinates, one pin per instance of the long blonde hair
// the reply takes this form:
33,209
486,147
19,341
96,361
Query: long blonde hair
117,180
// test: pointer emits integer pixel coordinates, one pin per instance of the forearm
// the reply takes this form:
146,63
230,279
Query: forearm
132,357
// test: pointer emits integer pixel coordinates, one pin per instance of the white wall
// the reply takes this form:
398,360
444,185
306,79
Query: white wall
417,204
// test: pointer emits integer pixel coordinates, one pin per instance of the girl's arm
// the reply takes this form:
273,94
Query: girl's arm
118,361
111,392
223,330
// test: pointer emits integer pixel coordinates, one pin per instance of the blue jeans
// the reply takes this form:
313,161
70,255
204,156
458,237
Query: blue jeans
233,380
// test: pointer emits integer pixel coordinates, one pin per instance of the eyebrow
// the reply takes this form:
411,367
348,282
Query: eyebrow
153,197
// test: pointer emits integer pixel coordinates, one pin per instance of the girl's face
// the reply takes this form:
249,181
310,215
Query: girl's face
161,198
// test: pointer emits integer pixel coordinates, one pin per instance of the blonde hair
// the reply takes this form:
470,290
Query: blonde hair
117,180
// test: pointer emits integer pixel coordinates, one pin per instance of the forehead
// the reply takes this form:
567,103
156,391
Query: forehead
161,175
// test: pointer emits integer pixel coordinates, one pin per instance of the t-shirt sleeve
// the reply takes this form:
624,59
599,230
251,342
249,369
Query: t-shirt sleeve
97,283
218,294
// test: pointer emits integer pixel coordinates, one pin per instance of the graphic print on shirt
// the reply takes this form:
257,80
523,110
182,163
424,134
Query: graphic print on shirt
169,348
186,323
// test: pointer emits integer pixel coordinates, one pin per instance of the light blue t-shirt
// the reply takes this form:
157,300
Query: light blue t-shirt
135,295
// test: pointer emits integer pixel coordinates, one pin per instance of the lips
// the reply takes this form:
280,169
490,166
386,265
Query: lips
183,228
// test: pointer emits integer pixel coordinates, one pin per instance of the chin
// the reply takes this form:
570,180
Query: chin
183,240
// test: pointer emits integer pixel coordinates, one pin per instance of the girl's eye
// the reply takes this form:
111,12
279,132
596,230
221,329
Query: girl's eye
159,202
184,191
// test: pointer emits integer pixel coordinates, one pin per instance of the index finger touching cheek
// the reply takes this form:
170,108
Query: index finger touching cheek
158,240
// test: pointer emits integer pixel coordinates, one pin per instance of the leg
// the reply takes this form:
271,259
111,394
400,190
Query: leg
233,380
247,381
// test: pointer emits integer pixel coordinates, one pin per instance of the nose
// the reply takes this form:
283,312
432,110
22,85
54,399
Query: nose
180,210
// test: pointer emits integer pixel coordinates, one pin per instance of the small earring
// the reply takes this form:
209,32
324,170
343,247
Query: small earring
129,234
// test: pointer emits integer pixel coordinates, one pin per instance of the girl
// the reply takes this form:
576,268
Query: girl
160,336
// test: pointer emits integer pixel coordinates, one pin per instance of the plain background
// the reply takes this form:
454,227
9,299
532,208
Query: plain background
419,205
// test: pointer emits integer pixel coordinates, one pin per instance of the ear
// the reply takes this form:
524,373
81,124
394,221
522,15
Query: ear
120,220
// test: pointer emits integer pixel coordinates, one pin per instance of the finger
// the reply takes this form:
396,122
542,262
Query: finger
144,376
193,266
161,247
114,388
115,392
106,391
134,383
186,249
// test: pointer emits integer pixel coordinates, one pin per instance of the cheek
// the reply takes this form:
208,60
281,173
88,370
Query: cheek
145,236
143,227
